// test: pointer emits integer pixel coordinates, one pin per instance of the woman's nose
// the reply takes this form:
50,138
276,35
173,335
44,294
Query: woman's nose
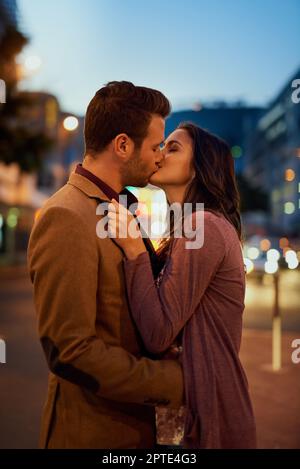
162,154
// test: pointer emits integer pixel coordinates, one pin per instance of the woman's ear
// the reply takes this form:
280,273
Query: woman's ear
193,173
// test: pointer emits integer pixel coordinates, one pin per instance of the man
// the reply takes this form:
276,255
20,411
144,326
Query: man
102,388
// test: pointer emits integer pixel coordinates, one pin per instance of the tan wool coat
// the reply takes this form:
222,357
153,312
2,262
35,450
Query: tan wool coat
102,387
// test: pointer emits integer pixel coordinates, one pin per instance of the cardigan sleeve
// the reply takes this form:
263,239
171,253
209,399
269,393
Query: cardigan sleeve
160,313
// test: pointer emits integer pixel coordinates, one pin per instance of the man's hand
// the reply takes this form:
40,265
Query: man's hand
173,353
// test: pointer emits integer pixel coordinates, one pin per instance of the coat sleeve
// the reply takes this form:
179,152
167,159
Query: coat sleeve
63,265
160,313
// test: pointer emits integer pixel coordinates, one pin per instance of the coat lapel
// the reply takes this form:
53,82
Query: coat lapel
93,191
87,186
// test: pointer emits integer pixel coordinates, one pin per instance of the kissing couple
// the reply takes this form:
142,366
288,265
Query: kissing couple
142,344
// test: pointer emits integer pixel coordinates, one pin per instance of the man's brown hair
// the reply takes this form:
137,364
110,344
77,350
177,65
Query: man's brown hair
121,107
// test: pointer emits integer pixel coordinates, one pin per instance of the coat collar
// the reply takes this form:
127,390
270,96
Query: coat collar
93,190
87,186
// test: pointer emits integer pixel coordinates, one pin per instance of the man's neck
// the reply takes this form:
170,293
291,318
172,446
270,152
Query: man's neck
104,171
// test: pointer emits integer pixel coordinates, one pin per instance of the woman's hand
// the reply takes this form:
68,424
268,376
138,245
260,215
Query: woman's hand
173,353
124,230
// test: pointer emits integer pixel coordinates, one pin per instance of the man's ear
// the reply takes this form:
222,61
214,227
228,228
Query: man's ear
123,146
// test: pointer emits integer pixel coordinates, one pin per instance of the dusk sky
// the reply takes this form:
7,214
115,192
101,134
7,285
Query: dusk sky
193,51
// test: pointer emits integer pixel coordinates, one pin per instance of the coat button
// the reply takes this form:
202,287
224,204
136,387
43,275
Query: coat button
163,402
150,401
157,401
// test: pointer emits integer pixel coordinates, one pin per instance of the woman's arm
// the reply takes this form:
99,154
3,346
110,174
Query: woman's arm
161,313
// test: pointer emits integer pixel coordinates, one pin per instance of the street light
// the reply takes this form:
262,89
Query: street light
28,66
70,123
32,63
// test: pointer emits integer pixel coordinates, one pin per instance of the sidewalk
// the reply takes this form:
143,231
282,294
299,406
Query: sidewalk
12,272
275,395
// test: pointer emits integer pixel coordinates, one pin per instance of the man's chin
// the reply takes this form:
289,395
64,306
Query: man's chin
146,181
154,179
140,184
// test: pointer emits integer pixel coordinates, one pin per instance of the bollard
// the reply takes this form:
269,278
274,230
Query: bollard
2,92
276,327
2,351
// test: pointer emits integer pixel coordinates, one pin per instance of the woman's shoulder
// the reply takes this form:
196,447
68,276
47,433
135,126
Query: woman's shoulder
206,219
212,228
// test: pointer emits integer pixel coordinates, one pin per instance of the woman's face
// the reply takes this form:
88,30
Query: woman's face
177,163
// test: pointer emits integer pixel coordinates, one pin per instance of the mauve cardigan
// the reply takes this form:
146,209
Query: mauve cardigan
202,291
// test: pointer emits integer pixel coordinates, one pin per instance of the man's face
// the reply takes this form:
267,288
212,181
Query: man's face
145,160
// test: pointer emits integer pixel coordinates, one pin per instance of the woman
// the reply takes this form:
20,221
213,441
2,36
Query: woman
200,296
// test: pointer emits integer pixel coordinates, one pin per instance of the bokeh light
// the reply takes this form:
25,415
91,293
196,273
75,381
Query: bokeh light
290,255
273,255
271,267
253,252
283,243
289,208
32,63
236,151
293,263
289,174
249,265
70,123
265,244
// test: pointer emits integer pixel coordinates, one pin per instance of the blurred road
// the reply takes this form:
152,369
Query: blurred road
260,299
23,379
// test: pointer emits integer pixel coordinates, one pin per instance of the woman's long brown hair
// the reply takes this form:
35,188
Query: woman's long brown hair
214,183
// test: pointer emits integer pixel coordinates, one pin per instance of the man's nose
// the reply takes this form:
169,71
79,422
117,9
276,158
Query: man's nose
160,156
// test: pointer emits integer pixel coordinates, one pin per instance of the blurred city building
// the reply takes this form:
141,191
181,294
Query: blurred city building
234,123
23,193
264,141
46,116
36,118
273,159
8,21
8,15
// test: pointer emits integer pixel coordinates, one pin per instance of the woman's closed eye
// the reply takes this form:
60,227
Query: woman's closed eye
171,150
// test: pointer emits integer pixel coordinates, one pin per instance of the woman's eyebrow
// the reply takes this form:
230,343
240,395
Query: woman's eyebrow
170,142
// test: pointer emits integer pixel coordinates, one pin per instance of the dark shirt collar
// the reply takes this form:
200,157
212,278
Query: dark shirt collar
105,188
131,199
